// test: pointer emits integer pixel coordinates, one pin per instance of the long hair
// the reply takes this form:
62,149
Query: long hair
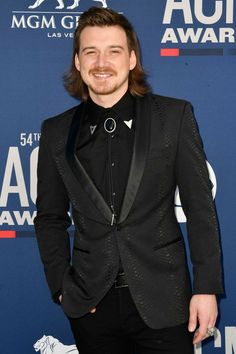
105,17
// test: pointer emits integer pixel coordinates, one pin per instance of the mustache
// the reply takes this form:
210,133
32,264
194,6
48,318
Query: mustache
102,70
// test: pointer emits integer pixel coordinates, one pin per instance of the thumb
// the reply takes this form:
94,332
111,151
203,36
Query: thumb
93,310
192,324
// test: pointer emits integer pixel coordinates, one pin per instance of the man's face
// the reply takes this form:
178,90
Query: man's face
104,61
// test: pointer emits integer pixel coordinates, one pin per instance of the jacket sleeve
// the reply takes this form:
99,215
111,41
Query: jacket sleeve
196,197
52,219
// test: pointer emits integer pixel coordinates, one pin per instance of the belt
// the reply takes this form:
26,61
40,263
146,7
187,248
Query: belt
120,281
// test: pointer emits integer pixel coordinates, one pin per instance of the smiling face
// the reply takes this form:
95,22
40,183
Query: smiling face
104,62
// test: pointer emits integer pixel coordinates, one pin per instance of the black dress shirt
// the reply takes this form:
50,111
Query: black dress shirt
106,156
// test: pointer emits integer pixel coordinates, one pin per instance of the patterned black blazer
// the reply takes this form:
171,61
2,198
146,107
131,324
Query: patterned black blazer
167,152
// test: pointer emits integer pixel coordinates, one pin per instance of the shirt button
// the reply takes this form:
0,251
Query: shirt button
113,136
113,164
113,193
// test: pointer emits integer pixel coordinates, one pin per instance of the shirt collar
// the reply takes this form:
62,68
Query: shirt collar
123,109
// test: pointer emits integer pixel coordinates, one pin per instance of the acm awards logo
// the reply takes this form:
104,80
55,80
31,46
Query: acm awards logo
57,21
208,24
18,186
178,206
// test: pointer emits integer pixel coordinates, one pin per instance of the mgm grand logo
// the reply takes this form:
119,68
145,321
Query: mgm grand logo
37,17
61,4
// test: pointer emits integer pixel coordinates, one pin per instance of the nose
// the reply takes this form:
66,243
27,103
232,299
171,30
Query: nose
101,59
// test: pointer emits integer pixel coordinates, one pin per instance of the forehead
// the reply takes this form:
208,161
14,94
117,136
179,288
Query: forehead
103,36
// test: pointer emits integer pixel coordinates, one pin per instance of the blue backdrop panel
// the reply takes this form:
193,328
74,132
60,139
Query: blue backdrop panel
188,51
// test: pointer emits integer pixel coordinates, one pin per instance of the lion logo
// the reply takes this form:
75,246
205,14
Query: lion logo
49,344
61,4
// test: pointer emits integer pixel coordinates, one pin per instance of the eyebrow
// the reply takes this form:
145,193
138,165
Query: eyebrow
111,47
116,46
87,48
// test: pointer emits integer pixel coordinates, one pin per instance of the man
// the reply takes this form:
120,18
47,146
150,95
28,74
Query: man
116,159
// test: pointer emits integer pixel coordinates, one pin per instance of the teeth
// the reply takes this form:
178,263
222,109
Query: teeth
102,75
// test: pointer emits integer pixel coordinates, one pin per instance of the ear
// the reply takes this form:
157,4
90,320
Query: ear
132,60
77,63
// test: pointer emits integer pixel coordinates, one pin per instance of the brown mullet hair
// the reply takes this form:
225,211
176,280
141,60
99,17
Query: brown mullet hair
105,17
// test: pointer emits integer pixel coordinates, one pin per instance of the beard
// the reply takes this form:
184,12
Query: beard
107,85
103,89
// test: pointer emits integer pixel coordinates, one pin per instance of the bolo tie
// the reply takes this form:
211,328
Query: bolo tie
109,125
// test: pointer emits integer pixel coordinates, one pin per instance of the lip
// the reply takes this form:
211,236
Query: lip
102,75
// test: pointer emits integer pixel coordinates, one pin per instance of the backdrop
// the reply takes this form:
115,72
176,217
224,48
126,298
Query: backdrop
188,51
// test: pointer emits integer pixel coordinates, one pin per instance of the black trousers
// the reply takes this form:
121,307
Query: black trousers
117,328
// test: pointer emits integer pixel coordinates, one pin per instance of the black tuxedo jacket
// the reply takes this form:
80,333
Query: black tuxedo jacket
167,152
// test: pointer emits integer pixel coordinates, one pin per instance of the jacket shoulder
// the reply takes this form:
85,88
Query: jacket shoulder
170,110
60,121
170,102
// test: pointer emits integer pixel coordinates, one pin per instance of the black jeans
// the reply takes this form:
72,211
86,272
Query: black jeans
117,328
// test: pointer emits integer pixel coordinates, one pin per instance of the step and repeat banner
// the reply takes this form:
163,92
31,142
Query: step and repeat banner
188,51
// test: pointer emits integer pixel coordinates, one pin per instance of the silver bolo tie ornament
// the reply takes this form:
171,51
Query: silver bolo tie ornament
109,125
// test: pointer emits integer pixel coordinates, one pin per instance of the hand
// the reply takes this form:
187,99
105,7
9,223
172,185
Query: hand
92,311
203,310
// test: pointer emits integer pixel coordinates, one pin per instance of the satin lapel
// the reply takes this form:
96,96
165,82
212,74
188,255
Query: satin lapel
140,149
77,167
